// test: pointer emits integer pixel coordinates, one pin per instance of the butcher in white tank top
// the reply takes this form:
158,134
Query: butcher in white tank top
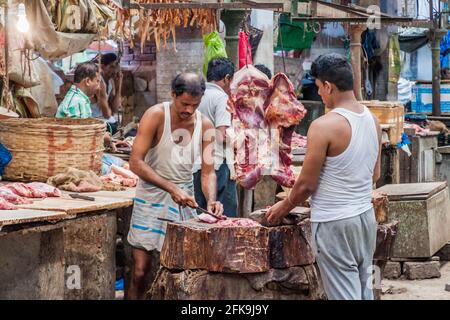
345,183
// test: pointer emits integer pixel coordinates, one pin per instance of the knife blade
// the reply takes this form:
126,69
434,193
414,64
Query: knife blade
79,196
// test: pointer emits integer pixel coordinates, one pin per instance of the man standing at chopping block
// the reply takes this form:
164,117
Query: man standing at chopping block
214,107
170,137
341,164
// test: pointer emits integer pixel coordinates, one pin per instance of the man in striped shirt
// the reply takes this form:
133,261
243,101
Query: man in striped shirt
76,103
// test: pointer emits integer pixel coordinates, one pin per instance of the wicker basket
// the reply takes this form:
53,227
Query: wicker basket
44,147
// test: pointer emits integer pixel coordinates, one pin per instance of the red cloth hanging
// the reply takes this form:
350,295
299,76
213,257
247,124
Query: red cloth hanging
244,50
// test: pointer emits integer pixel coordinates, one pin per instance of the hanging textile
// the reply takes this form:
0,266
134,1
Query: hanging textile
47,41
370,43
245,50
294,35
445,50
394,59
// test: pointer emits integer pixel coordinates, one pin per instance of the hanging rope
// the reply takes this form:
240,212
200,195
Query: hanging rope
280,33
5,94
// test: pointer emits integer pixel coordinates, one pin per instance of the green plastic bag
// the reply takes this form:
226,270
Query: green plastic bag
214,48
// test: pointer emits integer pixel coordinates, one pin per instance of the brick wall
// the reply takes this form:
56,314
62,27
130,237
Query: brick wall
189,57
141,82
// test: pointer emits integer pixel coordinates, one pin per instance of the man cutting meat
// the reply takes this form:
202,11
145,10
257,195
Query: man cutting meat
169,139
214,107
341,164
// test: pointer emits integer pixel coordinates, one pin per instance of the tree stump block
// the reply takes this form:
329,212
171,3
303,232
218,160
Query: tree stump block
195,245
296,283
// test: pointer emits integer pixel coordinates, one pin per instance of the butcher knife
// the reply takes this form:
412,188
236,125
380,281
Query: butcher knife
211,214
79,196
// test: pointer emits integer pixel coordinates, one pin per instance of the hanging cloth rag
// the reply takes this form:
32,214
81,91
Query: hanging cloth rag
245,50
294,35
394,59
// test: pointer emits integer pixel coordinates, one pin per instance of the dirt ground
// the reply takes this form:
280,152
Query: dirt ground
430,289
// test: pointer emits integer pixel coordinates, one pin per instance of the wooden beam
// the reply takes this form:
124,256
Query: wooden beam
398,20
208,5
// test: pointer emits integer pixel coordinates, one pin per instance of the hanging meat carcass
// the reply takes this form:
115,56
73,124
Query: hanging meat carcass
283,113
249,91
264,118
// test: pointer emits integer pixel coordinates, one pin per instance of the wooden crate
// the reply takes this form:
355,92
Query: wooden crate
391,115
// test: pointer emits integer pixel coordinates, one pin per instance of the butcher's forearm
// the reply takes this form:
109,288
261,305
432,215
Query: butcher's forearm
209,186
146,173
300,193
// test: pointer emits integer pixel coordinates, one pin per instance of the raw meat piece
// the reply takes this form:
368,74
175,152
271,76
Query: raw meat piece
247,160
123,172
281,169
249,91
298,141
283,108
264,122
20,189
207,218
283,113
5,205
47,189
238,222
13,198
419,130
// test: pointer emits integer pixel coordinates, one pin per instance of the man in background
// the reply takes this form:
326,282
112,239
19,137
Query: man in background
108,98
76,103
214,107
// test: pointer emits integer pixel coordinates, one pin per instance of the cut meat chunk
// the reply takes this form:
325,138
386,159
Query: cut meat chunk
238,222
207,218
5,205
20,189
44,188
13,198
283,108
250,89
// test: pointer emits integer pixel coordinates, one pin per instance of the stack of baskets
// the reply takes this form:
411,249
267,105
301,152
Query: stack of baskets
44,147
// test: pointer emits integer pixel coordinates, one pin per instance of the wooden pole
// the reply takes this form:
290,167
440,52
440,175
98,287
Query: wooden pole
356,31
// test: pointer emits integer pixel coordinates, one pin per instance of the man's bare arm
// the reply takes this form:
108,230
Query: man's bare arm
208,174
102,101
308,180
116,101
377,169
142,144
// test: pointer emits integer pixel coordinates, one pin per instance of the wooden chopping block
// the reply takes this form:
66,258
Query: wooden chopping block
291,246
290,242
196,245
386,234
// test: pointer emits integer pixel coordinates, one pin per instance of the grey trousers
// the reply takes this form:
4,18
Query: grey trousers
344,253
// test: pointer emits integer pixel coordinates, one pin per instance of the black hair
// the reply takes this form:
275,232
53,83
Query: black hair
264,70
334,68
85,70
190,83
108,58
219,68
